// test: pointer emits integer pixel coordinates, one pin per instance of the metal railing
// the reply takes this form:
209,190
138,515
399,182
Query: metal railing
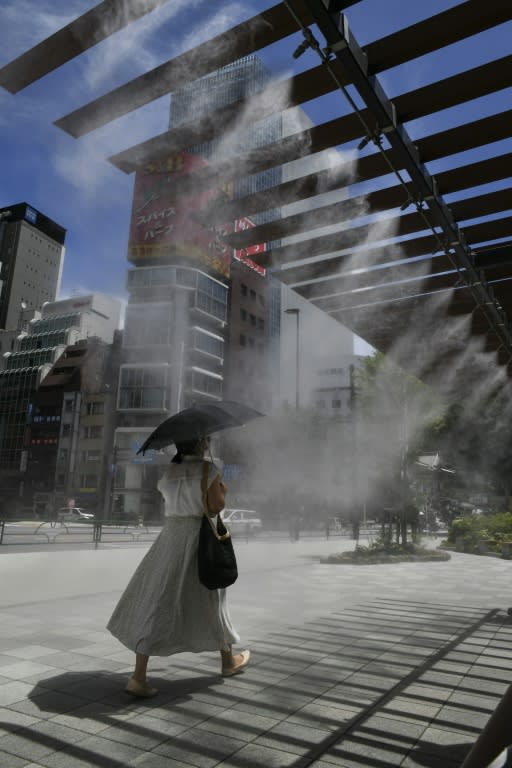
55,532
26,532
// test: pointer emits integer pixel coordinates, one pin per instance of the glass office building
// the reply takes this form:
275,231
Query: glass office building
240,80
178,310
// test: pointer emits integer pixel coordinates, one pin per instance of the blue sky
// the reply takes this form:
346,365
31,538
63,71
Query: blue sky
70,180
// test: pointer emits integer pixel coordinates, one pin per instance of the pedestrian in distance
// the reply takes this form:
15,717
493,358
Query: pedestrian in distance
165,609
294,526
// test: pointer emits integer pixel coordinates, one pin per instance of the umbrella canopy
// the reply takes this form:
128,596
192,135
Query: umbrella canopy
200,420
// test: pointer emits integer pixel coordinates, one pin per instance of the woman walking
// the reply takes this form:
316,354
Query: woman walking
165,609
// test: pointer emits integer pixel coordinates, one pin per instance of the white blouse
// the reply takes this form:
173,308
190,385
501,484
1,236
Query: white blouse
180,486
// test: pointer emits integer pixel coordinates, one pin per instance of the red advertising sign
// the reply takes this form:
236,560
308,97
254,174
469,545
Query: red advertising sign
243,254
162,222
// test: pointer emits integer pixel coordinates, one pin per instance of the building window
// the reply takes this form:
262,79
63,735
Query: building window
205,383
208,343
243,289
253,294
252,319
211,305
130,440
143,388
95,409
93,432
92,455
243,340
29,359
120,476
336,403
57,323
243,315
261,299
320,404
251,341
159,276
261,323
89,481
147,324
66,430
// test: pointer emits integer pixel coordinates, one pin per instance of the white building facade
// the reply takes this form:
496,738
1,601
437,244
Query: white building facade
173,356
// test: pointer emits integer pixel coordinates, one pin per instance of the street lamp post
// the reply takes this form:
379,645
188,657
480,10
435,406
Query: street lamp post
296,311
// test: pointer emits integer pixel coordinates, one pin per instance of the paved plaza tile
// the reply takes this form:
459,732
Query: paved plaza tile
352,666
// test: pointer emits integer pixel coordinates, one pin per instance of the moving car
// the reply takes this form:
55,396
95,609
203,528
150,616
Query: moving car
242,521
74,515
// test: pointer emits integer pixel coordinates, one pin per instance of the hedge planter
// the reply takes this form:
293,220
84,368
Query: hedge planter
362,556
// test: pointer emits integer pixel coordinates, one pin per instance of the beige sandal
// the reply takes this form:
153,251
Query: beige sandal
230,671
143,691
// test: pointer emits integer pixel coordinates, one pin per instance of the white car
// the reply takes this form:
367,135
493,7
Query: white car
74,515
242,521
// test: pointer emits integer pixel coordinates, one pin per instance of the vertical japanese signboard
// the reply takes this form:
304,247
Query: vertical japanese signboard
244,254
163,225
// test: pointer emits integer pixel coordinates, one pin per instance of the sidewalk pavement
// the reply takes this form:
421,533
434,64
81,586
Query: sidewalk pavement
353,666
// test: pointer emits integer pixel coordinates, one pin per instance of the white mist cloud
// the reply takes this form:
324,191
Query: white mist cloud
31,21
83,162
153,39
132,49
141,45
221,19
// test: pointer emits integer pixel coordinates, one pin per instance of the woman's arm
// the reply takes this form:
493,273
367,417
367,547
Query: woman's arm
217,496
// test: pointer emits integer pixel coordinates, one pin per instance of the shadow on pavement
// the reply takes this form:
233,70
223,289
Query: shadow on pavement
105,691
89,719
449,756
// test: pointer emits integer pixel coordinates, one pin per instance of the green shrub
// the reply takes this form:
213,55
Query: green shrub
480,527
384,546
467,527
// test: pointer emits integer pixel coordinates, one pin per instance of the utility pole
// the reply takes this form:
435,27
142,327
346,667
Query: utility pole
296,311
404,450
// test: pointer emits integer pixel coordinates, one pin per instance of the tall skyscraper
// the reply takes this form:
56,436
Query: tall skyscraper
254,306
178,310
31,261
239,80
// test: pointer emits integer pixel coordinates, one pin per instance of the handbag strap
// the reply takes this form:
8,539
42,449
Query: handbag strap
204,488
204,499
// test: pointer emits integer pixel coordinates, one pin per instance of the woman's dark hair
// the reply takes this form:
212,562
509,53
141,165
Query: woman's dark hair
186,448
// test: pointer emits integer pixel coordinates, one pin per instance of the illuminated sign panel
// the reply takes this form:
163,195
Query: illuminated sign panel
163,225
244,254
30,215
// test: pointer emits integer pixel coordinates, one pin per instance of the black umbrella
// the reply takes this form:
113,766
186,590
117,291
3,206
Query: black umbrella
199,421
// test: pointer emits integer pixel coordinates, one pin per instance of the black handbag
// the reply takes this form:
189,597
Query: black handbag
216,559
